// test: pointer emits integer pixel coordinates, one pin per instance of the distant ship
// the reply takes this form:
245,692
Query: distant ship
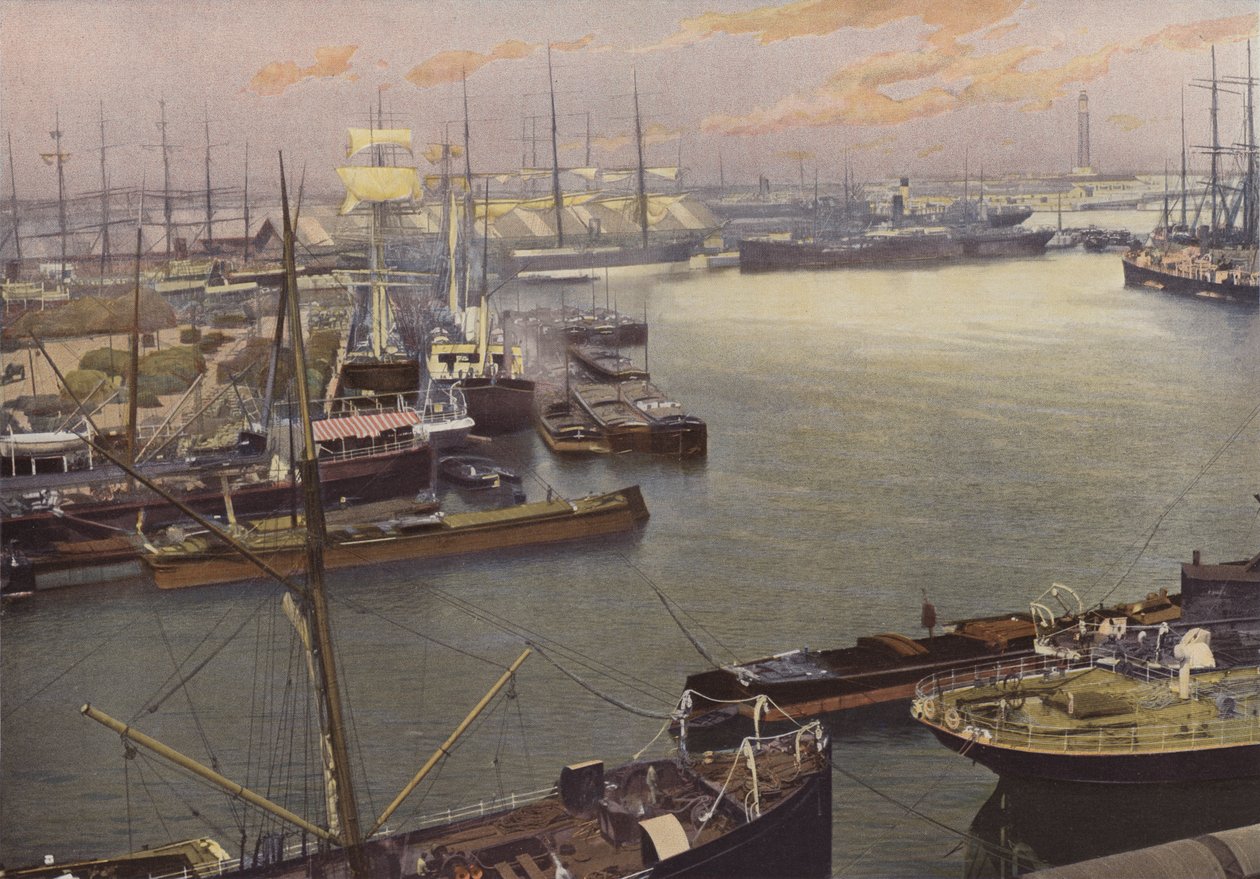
1215,258
875,249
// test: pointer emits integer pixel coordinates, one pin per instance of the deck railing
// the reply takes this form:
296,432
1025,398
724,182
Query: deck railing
1001,720
300,848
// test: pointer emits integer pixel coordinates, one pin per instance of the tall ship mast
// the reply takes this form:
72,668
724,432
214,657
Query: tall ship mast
377,362
763,809
475,358
1216,259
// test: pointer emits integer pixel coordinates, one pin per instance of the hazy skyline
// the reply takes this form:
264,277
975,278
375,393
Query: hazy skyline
906,86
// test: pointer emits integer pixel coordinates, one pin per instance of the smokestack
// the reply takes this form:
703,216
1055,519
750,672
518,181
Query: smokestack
905,194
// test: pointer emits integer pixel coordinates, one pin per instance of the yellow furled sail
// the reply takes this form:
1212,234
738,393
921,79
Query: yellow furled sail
362,138
657,206
667,173
436,152
378,184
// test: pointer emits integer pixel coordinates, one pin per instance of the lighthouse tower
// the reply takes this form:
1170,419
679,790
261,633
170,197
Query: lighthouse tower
1082,136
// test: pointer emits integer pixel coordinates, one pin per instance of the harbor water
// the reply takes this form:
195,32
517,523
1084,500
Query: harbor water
970,433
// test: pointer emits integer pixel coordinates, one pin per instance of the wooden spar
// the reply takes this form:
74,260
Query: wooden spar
133,367
245,199
638,142
555,156
317,601
205,772
444,748
483,318
17,238
143,453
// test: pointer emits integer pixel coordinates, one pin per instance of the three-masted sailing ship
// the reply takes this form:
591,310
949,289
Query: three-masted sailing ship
762,810
1214,253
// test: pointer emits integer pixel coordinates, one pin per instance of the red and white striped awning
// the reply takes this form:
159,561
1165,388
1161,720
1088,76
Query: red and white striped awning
362,426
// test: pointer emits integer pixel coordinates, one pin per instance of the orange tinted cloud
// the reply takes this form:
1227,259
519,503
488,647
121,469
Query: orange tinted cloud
276,77
949,19
951,76
610,144
1125,121
455,64
932,150
1000,31
875,143
658,133
574,45
1203,33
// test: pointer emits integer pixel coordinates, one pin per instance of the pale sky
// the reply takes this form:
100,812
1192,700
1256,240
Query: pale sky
906,86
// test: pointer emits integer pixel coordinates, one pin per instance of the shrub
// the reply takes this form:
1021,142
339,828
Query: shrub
106,360
91,387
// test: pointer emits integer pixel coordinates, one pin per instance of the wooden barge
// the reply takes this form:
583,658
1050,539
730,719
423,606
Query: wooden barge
203,559
882,668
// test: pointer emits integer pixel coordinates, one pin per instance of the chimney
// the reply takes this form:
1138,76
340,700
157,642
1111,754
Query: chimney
1195,558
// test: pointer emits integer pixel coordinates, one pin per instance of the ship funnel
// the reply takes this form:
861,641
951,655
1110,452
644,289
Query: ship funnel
905,194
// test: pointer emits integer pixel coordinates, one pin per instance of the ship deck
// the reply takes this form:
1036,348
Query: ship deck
1096,709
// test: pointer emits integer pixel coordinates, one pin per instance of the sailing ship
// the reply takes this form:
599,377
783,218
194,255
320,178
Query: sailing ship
376,359
487,368
1115,703
762,810
1212,256
594,252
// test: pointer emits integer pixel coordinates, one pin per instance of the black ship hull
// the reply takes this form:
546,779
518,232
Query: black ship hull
1154,278
756,255
878,670
791,840
498,406
1161,767
357,480
382,376
1005,242
597,257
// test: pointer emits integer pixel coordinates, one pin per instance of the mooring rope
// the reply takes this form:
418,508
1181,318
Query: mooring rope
611,700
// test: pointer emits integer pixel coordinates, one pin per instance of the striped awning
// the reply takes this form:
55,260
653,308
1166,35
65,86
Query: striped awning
362,426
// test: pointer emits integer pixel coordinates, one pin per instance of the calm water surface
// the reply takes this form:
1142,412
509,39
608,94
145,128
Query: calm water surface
976,432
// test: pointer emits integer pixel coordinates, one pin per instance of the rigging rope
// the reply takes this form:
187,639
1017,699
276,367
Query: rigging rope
913,809
611,700
158,701
646,688
666,604
71,667
1159,521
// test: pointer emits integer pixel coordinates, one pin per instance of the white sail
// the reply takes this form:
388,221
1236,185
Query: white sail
377,184
362,138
